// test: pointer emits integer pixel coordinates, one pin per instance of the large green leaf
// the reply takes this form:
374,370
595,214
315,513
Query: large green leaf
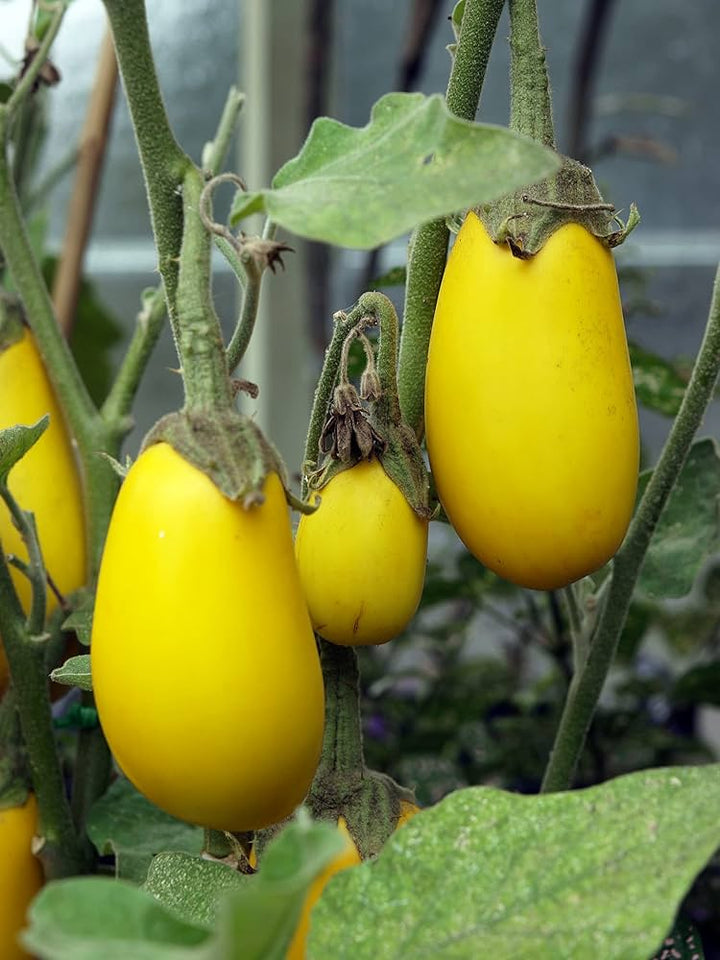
125,823
15,443
97,918
190,887
258,921
414,161
688,528
580,875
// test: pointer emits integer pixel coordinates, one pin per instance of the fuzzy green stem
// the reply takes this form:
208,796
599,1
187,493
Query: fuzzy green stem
381,308
344,323
587,685
118,403
342,749
93,768
428,248
35,569
198,336
62,853
25,84
253,274
530,104
163,161
216,151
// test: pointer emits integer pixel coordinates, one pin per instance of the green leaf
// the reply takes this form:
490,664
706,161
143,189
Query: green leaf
682,943
258,921
687,532
658,385
15,443
80,620
579,875
75,672
97,918
192,888
394,277
701,684
123,822
413,162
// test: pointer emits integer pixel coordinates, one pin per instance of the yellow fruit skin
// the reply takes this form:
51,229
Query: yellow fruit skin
349,857
204,663
529,407
21,875
46,480
361,558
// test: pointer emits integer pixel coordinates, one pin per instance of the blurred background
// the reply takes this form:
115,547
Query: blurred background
472,693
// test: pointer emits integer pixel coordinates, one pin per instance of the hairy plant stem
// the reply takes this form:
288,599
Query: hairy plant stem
163,161
530,104
25,84
118,403
344,323
428,247
587,684
252,277
198,336
342,749
216,151
62,853
381,308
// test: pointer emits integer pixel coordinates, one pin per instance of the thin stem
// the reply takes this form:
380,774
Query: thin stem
530,104
342,749
163,161
91,153
35,569
248,313
26,83
118,404
382,309
215,152
196,327
62,853
428,249
344,322
587,685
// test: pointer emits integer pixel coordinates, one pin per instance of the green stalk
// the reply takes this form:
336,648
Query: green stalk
24,86
163,161
253,274
530,104
587,684
216,151
428,248
324,390
342,749
62,854
198,336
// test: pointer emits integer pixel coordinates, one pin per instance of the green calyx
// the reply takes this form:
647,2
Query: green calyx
368,424
227,446
527,218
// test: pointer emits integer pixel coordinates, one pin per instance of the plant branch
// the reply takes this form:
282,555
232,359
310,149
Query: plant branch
215,152
24,522
118,404
27,81
248,312
530,105
91,153
343,324
61,853
428,248
342,749
587,685
163,161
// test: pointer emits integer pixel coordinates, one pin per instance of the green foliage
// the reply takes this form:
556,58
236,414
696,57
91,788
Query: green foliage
15,443
191,909
75,672
413,162
688,529
581,875
127,825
